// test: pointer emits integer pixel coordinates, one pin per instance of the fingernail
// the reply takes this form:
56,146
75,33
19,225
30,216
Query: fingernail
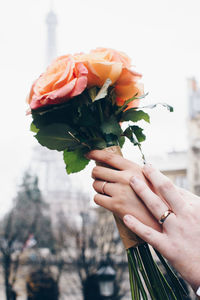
128,219
135,180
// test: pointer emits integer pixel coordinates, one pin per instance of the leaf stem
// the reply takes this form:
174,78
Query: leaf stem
143,156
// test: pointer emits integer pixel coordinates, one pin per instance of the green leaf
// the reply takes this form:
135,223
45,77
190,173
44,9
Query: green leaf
86,118
75,161
129,134
33,128
121,141
135,134
111,126
103,92
57,137
135,115
138,131
98,143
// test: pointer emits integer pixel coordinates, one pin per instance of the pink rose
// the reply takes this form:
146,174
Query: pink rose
64,79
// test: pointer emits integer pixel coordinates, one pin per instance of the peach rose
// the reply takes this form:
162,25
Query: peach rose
99,69
128,86
103,63
114,56
64,78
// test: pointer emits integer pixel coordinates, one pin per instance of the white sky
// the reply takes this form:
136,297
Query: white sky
161,37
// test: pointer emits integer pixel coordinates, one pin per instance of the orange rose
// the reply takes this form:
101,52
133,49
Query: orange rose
113,55
127,86
64,78
103,63
99,69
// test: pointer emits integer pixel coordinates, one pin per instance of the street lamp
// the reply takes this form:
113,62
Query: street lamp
106,279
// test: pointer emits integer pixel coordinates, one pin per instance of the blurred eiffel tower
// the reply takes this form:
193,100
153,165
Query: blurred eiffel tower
51,23
54,183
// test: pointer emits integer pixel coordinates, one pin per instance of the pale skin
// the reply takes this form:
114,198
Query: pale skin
140,196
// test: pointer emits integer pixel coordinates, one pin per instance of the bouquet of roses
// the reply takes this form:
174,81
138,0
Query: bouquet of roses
78,105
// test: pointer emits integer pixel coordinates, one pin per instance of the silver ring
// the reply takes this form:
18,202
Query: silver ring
102,188
165,216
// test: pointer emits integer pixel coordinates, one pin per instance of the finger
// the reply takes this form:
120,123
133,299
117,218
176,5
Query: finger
109,158
156,206
145,232
106,174
103,187
104,201
164,187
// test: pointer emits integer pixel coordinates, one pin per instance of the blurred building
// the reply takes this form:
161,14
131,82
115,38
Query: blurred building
173,165
194,137
183,168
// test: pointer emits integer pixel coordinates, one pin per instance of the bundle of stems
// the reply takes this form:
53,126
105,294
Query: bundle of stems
147,281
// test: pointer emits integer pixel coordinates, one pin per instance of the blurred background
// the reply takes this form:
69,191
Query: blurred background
54,243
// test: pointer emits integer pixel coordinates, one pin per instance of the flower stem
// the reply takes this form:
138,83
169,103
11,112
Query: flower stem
168,287
131,278
179,289
136,274
152,272
144,275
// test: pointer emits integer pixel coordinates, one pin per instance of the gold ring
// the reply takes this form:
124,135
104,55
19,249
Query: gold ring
165,215
102,188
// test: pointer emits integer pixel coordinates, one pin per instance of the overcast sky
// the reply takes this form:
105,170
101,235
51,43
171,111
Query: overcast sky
161,37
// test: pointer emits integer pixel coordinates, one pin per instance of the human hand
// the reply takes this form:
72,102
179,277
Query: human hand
179,240
119,196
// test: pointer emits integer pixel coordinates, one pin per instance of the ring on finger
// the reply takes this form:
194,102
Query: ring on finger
165,216
103,187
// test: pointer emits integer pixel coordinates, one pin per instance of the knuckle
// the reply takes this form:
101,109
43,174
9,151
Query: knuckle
165,186
141,189
108,157
155,205
116,206
124,176
147,233
95,172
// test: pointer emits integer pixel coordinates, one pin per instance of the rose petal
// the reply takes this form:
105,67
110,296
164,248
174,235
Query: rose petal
66,76
114,56
104,70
